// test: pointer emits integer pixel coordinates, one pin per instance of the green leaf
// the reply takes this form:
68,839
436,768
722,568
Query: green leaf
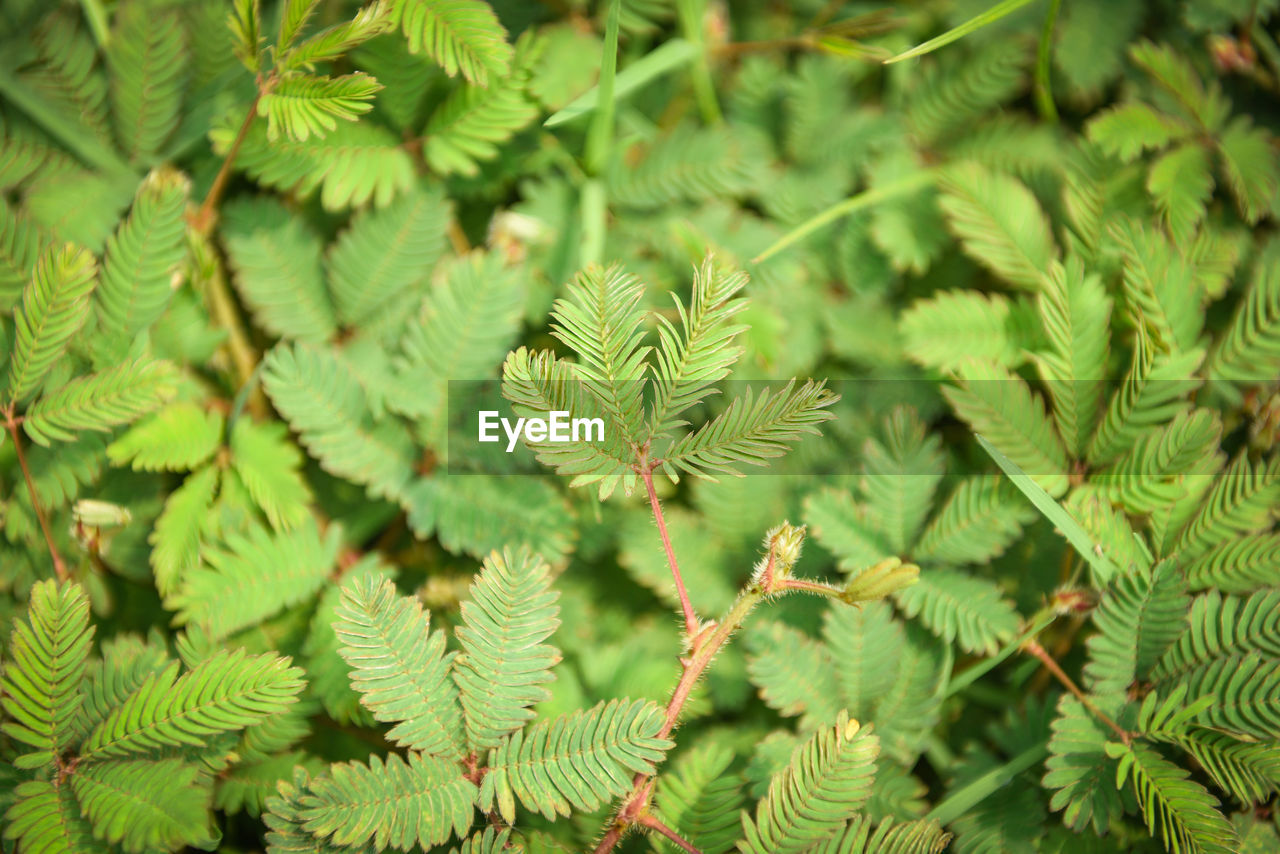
148,62
323,401
399,666
1127,130
792,672
269,465
575,761
1186,814
998,404
176,539
672,54
461,35
468,127
977,522
1104,568
902,465
952,326
999,223
142,258
994,13
842,525
253,577
301,105
275,259
55,304
960,607
1181,184
224,693
1249,161
177,438
1246,351
336,41
144,804
1076,314
504,663
394,803
1078,770
754,428
384,253
699,798
100,401
825,782
45,662
45,817
1138,619
355,164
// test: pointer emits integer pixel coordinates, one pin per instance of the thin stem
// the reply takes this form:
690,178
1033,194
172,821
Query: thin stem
975,792
203,219
1034,648
223,308
600,134
654,823
690,618
1044,93
704,89
59,568
97,18
972,674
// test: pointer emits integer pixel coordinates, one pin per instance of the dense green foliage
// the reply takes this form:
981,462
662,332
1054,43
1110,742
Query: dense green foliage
1009,307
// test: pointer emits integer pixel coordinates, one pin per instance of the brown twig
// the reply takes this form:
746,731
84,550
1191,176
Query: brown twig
59,568
690,618
203,219
1034,648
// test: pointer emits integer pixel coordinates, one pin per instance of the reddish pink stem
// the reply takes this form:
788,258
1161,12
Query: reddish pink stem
690,619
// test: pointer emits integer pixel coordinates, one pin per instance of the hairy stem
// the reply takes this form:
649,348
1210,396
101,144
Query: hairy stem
653,823
59,568
690,618
1034,648
700,656
203,219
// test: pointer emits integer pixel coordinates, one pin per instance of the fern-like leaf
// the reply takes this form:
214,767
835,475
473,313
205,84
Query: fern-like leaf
999,223
754,428
100,401
55,304
384,253
1138,619
226,692
147,58
399,666
1078,770
827,780
1247,351
999,404
504,663
960,607
176,539
253,577
792,672
1186,815
141,260
977,522
576,761
46,656
1076,313
268,464
177,438
953,326
461,35
467,128
700,799
323,401
301,105
144,804
355,164
693,357
1221,627
393,803
276,261
45,817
